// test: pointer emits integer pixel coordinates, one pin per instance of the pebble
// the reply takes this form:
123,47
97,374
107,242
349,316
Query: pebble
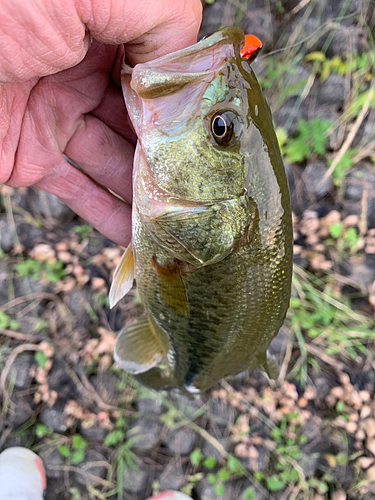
147,431
180,442
150,405
20,369
95,432
54,418
53,463
332,90
6,240
371,473
135,480
313,179
93,465
370,445
365,462
351,427
21,410
309,463
49,205
370,427
338,495
173,476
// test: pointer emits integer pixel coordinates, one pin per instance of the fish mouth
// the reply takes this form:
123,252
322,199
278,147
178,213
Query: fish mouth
167,74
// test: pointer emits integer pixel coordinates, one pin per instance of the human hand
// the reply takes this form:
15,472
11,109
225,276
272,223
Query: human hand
60,94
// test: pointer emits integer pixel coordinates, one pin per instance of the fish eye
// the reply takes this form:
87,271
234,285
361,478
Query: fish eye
223,127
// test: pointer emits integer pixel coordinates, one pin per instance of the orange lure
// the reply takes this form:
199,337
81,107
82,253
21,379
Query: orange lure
251,48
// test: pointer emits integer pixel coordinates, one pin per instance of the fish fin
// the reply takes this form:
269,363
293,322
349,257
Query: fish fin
204,234
157,378
172,288
138,347
123,277
270,366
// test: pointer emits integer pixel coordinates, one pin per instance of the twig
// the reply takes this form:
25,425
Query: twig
362,225
87,475
89,392
18,335
284,366
324,357
350,137
10,361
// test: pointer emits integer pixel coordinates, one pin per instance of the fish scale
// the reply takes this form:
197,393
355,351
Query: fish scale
211,246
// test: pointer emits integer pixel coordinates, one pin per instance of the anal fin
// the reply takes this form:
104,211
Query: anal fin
123,277
270,366
139,347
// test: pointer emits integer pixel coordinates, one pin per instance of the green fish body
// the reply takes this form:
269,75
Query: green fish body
211,245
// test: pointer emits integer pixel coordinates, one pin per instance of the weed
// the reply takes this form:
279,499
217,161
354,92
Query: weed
75,453
317,315
7,322
83,231
345,239
37,269
311,138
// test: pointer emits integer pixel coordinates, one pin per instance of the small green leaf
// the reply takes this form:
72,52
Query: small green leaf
274,483
14,325
219,489
4,320
114,438
211,478
340,406
64,451
196,457
77,456
223,474
41,430
249,493
41,358
78,442
323,487
209,462
335,230
234,465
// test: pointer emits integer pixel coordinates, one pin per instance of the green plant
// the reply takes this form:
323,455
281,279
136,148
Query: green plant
311,138
75,452
345,239
318,314
83,231
7,322
325,66
343,166
37,269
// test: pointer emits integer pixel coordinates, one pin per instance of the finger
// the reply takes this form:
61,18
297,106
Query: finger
40,38
103,155
55,111
108,214
112,112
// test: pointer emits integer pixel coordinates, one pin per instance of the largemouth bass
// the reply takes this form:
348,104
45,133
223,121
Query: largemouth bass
211,247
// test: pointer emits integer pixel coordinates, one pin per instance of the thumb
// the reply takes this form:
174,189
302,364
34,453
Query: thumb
43,37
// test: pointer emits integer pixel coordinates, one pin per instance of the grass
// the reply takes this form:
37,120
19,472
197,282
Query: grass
324,331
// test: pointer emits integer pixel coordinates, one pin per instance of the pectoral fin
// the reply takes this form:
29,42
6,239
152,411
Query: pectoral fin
123,277
139,347
202,234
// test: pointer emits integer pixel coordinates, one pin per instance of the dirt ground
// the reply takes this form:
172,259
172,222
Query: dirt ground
308,435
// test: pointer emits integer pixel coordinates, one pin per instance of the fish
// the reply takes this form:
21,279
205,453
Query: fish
211,248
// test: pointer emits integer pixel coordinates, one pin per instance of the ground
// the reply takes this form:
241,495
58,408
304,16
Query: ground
308,435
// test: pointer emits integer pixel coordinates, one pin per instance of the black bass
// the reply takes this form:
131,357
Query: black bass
211,246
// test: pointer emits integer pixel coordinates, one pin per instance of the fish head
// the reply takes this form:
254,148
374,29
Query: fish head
191,112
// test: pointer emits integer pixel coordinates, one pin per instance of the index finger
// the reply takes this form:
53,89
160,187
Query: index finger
41,38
